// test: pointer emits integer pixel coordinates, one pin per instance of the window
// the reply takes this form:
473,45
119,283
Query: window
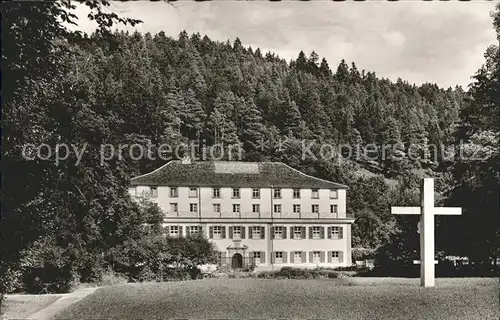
335,232
193,207
297,257
335,256
174,231
277,208
297,233
316,232
316,256
193,230
333,208
216,207
236,208
333,194
236,232
193,192
296,193
173,207
215,193
256,256
256,193
315,208
278,232
236,193
173,192
296,208
153,191
277,193
256,232
314,193
217,232
278,257
255,207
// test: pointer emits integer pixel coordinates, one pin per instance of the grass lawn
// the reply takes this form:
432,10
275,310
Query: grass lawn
21,306
352,298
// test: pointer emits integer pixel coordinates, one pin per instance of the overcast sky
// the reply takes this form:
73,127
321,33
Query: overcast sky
441,42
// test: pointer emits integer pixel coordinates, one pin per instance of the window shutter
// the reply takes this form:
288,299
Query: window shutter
310,256
329,233
223,235
262,257
292,257
303,232
329,258
341,256
271,231
341,232
273,257
292,234
230,232
322,257
322,232
262,232
250,235
310,232
284,257
187,231
242,232
180,230
303,254
211,232
284,232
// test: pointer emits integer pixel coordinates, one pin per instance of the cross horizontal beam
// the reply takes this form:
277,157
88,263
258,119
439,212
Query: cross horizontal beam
450,211
405,210
418,262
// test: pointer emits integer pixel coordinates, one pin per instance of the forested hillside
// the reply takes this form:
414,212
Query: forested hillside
194,89
121,88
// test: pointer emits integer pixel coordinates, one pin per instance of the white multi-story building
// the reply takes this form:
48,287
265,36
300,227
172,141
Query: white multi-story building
262,213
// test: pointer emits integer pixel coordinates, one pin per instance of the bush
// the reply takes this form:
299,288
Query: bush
155,258
177,275
349,268
11,281
298,273
110,278
2,298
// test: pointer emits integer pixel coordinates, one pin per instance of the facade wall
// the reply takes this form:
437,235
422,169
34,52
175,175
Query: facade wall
205,217
266,201
246,246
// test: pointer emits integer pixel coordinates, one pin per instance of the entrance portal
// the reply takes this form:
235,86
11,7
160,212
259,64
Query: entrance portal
237,261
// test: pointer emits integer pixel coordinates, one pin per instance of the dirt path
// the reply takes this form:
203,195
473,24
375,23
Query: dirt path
63,302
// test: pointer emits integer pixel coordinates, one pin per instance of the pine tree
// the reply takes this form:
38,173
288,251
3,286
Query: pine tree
393,157
324,68
342,74
251,129
301,62
193,117
313,63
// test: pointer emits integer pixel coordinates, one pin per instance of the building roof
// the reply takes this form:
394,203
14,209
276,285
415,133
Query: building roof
232,174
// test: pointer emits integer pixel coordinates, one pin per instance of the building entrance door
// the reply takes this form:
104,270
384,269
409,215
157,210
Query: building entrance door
237,261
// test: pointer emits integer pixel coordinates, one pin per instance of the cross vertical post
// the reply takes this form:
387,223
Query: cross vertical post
426,226
427,271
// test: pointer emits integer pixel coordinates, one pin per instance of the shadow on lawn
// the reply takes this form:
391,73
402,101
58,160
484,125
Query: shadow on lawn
443,270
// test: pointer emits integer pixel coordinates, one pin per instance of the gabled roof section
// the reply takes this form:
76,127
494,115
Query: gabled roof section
231,174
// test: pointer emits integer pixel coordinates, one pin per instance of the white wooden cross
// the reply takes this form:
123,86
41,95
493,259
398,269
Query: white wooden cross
427,212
